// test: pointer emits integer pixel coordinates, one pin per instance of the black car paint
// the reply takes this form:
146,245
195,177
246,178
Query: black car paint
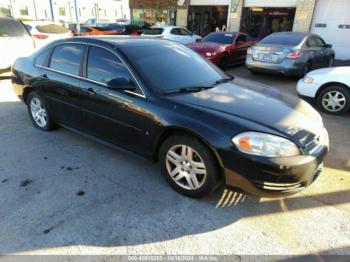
140,123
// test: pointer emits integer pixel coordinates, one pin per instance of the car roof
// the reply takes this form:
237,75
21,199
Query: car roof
292,33
119,41
225,32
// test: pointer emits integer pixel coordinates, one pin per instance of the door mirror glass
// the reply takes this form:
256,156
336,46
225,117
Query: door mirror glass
121,83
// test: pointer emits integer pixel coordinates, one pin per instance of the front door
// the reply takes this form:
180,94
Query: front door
116,116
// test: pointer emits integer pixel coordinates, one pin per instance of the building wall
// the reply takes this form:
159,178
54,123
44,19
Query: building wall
181,17
235,14
303,15
108,9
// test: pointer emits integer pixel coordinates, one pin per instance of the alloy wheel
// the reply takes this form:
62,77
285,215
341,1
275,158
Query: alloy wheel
38,112
333,101
186,167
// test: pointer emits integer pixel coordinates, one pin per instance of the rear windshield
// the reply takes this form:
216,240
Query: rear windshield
12,28
153,31
279,39
226,38
52,29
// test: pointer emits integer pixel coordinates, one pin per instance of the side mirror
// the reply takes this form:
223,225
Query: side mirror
121,83
240,42
328,46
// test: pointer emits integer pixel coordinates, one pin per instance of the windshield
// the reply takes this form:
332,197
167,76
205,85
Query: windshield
172,66
280,39
12,28
222,38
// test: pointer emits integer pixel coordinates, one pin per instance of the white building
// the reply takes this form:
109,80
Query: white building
63,10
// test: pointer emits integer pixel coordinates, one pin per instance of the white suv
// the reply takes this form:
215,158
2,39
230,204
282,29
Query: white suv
15,41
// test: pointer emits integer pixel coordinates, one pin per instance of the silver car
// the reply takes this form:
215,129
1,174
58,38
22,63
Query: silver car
290,53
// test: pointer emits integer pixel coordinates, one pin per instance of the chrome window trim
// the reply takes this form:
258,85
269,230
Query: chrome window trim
84,78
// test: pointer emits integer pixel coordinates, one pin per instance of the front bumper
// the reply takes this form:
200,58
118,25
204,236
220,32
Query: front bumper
287,67
272,177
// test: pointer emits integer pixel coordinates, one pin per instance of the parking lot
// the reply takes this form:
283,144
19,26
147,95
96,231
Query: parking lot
61,193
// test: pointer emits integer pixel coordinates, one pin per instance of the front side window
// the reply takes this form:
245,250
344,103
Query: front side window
241,38
168,66
103,66
175,31
67,58
184,31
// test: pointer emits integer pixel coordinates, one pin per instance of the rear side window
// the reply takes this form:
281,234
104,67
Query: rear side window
52,29
103,66
315,42
280,39
67,58
42,59
153,31
12,28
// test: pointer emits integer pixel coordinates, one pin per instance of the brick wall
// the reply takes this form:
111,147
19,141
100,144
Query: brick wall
303,15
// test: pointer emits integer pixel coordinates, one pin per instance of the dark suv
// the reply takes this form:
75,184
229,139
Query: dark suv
290,53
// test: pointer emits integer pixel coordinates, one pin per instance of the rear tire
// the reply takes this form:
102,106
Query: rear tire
39,113
306,69
189,166
334,100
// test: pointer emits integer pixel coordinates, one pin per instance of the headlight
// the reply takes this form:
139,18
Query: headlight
261,144
308,80
209,54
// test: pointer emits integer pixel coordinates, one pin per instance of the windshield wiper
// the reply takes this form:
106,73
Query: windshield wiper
224,80
187,90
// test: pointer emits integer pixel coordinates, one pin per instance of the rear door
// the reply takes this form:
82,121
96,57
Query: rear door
59,82
317,52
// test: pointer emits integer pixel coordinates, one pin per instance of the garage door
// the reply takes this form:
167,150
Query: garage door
332,21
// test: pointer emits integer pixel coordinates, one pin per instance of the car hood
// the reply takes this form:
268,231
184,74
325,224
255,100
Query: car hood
268,107
205,46
342,70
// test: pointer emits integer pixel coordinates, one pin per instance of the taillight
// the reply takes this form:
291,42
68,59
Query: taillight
249,51
294,55
33,42
37,36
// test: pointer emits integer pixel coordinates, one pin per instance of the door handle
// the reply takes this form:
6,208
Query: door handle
89,91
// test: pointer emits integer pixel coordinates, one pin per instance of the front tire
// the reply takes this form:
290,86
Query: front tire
224,61
38,112
189,166
334,100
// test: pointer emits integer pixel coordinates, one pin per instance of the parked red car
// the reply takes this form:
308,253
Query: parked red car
86,30
224,48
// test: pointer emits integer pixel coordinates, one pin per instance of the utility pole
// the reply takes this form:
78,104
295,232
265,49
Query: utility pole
35,13
51,10
11,9
77,16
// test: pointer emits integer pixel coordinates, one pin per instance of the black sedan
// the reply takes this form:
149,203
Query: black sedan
163,101
290,53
